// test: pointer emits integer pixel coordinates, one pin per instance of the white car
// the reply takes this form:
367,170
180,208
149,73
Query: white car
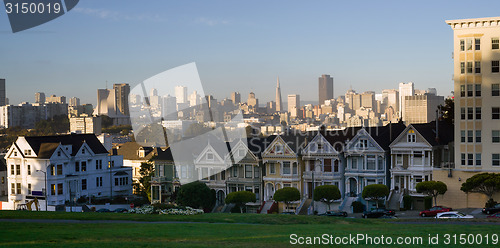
453,215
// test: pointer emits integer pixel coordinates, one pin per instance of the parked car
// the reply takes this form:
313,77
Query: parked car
336,213
495,216
120,210
453,215
377,213
434,211
290,213
492,210
103,210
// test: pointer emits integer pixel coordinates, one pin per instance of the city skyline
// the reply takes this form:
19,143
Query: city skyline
273,45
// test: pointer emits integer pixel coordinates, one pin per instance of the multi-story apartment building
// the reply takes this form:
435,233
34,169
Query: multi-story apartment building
476,57
421,108
63,168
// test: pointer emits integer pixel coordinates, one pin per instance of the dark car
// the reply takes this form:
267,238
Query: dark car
494,216
434,211
120,210
377,213
334,213
103,210
290,213
492,210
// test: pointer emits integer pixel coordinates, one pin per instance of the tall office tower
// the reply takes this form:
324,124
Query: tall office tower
169,109
74,101
390,99
39,97
325,86
194,99
252,101
121,93
421,108
271,107
477,108
236,98
153,92
404,90
293,105
181,94
368,100
279,103
2,92
106,103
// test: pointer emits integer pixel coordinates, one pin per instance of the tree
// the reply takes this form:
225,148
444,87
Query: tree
196,195
448,110
432,188
144,186
240,198
287,195
375,192
327,194
483,183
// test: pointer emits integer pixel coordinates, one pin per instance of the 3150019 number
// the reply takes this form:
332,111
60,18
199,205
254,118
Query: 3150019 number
33,8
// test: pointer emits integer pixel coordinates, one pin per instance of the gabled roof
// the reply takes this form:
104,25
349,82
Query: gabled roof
130,150
44,146
445,132
385,135
3,164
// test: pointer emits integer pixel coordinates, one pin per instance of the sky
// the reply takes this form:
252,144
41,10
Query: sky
237,46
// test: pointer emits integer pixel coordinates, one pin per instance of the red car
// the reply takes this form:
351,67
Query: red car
434,211
495,216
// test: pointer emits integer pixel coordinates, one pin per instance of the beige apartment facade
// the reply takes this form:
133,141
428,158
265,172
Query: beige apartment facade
476,57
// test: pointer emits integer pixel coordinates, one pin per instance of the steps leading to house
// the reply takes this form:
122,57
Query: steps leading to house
348,203
266,207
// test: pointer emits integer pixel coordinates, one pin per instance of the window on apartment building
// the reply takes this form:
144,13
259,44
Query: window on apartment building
477,67
354,163
336,166
320,146
469,66
462,90
478,113
462,158
12,169
241,152
363,143
478,136
470,136
77,166
18,169
370,162
470,113
116,181
248,171
84,166
495,159
27,152
286,168
412,137
59,169
256,191
235,171
470,92
495,66
256,172
83,150
477,43
212,177
15,153
279,149
272,168
18,188
462,113
494,43
222,175
380,165
52,189
462,136
98,181
52,170
295,169
462,67
462,45
59,188
478,159
478,90
3,180
469,44
58,153
210,156
13,188
327,165
495,90
418,158
495,113
495,136
183,172
29,188
29,169
204,173
84,184
470,159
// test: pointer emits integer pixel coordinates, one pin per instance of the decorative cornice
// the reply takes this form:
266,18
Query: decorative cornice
474,23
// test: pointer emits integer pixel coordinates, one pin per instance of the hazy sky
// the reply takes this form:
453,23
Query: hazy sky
237,46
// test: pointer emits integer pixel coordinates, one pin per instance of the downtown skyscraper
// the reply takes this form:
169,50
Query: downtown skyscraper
279,103
325,87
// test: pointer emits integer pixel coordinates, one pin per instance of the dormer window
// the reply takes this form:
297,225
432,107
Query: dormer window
83,151
141,153
279,149
241,152
210,156
15,154
27,152
411,137
58,153
363,143
320,146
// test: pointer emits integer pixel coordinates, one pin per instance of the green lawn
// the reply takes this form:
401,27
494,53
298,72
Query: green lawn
274,234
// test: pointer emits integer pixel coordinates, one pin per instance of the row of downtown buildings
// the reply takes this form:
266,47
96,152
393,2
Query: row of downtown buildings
476,48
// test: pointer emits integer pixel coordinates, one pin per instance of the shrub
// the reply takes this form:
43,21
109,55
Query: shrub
490,203
428,202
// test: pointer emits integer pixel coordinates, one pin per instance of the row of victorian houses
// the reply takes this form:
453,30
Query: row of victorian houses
396,155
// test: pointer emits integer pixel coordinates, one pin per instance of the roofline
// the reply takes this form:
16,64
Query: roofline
466,21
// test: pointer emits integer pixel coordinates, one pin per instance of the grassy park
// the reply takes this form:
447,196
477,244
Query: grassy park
207,230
